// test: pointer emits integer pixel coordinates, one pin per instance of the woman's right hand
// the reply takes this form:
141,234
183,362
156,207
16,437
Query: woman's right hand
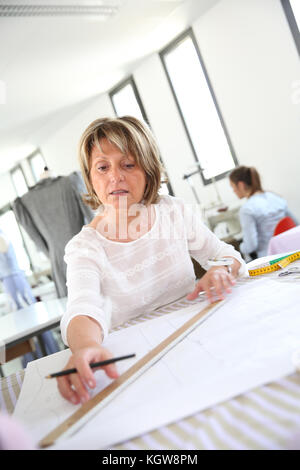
74,387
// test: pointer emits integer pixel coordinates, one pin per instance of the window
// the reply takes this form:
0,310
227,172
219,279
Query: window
292,12
11,230
19,180
37,164
198,107
126,101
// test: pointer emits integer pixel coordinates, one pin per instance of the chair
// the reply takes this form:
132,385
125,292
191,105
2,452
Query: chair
284,224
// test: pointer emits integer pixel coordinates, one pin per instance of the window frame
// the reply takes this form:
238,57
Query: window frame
18,167
287,8
130,81
29,159
172,45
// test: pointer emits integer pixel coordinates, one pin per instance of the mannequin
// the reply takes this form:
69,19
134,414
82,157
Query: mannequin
47,174
52,212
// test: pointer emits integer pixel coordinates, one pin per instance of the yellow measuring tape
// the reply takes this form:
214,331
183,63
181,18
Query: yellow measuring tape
274,265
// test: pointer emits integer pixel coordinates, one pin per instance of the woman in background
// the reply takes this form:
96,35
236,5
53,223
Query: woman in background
17,287
261,212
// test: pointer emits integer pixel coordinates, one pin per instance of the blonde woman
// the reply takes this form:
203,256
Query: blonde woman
135,256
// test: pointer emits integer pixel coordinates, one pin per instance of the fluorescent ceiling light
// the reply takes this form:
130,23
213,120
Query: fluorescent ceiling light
58,10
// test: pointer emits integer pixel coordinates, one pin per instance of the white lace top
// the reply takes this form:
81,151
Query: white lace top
113,282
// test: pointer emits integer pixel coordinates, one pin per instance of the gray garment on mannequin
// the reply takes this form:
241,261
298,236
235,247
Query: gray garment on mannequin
52,212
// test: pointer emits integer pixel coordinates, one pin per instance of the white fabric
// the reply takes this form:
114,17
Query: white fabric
285,241
113,282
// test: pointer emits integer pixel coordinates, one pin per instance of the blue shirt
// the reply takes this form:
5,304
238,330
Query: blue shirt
8,262
259,217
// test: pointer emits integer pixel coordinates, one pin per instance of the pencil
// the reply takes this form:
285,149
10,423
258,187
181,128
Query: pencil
92,365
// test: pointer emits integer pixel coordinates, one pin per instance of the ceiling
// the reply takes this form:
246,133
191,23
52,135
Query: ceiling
50,65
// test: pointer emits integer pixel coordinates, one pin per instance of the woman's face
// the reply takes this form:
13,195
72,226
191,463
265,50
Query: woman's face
238,188
116,178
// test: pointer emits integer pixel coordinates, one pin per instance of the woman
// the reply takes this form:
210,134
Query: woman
135,254
16,286
261,212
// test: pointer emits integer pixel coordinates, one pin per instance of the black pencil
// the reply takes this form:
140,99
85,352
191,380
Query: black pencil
92,365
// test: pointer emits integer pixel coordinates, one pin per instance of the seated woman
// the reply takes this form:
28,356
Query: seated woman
260,213
135,256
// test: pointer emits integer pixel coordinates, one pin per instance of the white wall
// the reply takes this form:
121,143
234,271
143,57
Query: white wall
60,149
7,192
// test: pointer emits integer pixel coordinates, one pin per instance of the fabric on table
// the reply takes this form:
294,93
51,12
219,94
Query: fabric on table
266,417
286,241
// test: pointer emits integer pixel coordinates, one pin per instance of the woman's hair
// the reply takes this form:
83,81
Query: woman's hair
249,176
131,136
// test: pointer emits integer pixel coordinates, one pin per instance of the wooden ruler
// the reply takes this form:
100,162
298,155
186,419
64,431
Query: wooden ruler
90,408
274,265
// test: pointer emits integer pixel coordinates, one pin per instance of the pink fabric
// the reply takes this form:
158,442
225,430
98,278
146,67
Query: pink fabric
286,241
13,436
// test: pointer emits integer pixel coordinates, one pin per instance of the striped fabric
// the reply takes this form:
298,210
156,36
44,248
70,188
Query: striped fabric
10,388
267,417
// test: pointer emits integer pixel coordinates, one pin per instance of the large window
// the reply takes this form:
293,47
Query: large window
126,101
19,180
37,164
292,12
198,108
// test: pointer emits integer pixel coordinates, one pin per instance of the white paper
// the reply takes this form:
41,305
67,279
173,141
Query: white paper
247,342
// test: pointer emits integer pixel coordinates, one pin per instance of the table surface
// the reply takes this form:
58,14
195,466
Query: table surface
26,322
263,418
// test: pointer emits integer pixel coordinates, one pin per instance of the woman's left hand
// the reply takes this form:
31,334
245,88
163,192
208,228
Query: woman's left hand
216,283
